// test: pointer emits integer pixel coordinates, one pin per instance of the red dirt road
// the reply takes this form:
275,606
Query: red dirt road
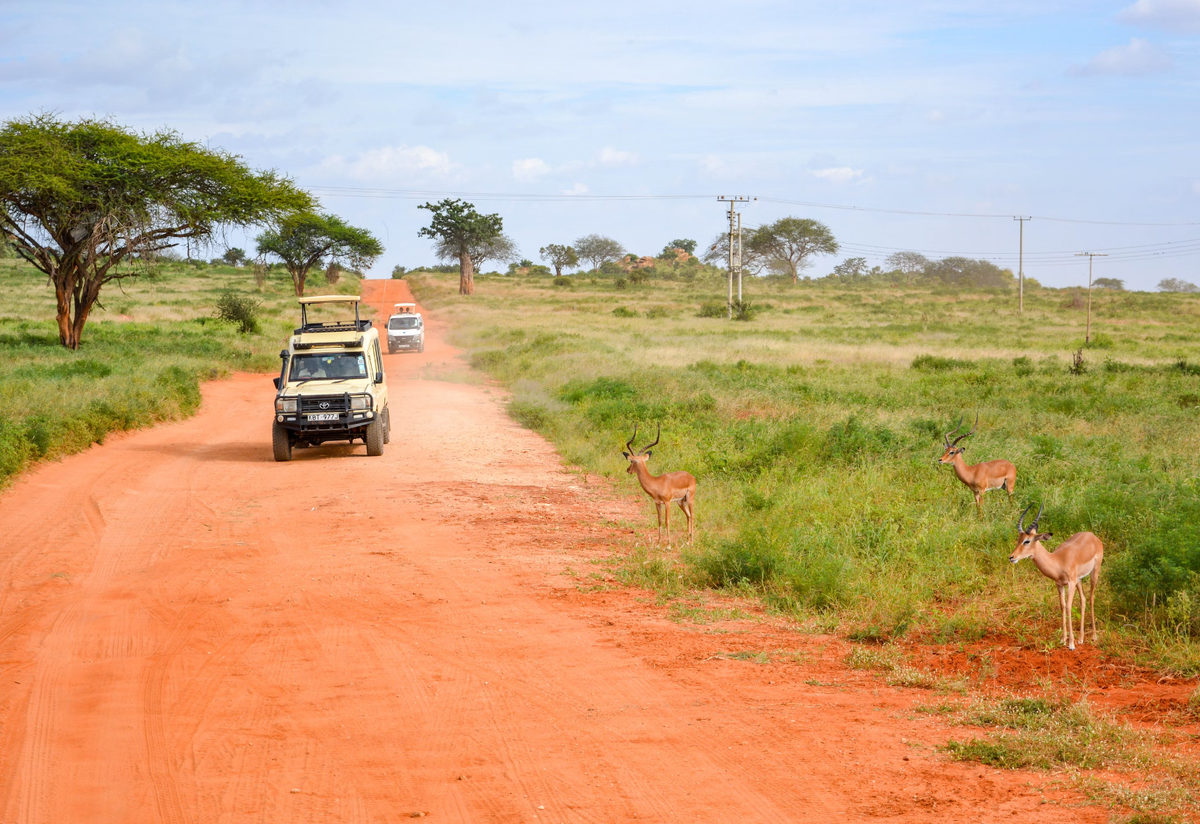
190,632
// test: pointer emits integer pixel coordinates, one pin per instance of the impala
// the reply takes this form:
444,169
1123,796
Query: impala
980,477
1075,559
664,489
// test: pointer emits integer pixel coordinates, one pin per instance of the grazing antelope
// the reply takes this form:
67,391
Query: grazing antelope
982,476
665,489
1075,559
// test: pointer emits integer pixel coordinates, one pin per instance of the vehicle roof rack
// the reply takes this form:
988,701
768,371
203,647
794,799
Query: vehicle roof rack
356,325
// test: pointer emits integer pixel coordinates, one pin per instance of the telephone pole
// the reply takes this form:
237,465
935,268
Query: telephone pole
1091,256
1021,268
735,239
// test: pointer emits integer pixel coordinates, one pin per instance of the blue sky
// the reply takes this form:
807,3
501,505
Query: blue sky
1078,110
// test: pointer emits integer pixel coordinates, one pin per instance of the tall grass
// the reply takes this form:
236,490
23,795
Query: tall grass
814,428
145,350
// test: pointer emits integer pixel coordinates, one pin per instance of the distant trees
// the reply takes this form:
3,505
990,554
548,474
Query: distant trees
717,253
500,248
459,229
961,271
307,239
560,257
1176,285
79,199
686,245
598,249
1116,284
789,244
234,256
855,267
910,263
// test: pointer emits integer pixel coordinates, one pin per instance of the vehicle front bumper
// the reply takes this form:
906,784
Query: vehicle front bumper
406,342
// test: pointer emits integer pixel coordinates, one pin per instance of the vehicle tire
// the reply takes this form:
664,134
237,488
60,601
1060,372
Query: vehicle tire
421,348
281,442
387,425
374,438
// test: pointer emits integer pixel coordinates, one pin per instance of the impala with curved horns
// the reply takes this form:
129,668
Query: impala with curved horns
981,477
1075,559
664,489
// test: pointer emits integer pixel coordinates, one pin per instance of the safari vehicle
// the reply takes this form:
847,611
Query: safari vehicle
331,386
406,329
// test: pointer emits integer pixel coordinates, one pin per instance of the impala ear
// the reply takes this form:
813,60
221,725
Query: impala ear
1041,536
648,453
626,454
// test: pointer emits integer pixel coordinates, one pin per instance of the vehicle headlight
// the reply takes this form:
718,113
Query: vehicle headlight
287,405
360,402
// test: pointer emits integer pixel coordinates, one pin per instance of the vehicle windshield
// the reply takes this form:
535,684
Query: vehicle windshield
404,323
326,366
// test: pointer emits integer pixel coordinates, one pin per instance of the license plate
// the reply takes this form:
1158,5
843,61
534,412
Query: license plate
324,416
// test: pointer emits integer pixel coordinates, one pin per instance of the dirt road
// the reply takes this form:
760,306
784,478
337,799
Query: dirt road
190,632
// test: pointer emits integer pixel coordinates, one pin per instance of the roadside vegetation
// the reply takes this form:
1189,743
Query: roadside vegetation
149,343
813,429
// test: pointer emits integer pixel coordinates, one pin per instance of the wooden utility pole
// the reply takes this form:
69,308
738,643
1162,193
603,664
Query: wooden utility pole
1091,256
734,238
1021,268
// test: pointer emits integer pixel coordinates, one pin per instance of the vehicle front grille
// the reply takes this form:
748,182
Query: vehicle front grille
324,403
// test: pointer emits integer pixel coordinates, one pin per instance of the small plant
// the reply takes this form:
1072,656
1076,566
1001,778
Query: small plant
933,363
240,309
1100,341
1078,364
620,283
743,310
260,275
656,312
712,309
624,312
1023,366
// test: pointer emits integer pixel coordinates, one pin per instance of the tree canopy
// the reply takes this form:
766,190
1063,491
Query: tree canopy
686,245
307,239
1116,284
961,271
78,199
559,256
457,227
1177,285
717,253
598,249
500,248
910,263
789,243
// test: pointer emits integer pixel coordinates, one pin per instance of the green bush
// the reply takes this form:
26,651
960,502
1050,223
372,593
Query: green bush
934,363
234,307
713,309
624,312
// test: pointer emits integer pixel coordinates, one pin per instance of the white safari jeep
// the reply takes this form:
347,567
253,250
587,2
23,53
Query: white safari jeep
406,329
331,386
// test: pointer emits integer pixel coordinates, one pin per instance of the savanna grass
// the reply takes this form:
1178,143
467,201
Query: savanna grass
814,428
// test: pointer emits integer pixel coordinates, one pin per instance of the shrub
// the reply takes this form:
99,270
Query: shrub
933,363
624,312
743,310
240,309
712,309
620,283
1099,341
1078,364
656,312
564,282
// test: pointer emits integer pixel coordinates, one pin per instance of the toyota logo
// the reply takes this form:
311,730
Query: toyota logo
324,404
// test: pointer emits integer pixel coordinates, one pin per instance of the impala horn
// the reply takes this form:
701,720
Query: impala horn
1021,520
647,447
1037,517
969,434
946,437
629,443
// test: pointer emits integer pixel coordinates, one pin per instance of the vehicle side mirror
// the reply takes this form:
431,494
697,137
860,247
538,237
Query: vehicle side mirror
283,354
276,382
379,378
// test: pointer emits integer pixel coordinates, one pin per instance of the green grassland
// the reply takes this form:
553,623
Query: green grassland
814,427
144,352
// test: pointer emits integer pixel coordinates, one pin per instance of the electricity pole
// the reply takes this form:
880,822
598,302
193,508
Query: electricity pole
1091,256
1021,268
734,237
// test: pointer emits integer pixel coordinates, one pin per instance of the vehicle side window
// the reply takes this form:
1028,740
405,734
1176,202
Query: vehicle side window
378,358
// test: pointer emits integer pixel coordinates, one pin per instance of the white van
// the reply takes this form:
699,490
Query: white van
405,329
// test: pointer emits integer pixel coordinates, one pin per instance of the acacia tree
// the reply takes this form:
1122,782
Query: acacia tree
458,228
790,242
598,249
500,248
910,263
307,239
717,253
89,202
559,256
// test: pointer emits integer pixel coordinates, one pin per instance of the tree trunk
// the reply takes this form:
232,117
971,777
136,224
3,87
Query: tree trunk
298,277
466,274
66,335
557,271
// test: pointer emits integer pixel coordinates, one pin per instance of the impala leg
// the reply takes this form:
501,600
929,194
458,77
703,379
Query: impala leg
667,509
1062,611
685,503
979,503
1095,579
659,507
1067,614
1082,612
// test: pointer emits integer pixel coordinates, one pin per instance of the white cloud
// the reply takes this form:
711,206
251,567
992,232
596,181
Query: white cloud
530,169
1140,56
839,174
392,162
1175,16
577,189
615,157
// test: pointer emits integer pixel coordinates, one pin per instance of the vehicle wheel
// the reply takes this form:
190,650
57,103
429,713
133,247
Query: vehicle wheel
281,442
374,437
387,425
421,348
